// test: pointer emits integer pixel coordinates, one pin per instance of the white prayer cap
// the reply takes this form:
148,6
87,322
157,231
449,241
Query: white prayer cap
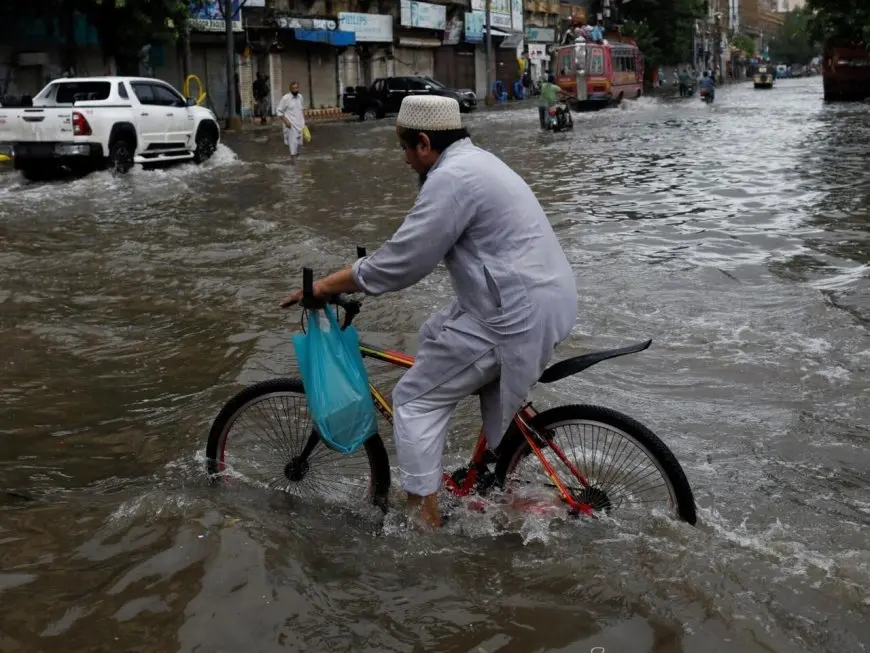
429,113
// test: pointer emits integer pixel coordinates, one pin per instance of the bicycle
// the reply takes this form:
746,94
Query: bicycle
591,484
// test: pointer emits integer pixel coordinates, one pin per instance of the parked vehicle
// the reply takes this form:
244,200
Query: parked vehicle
598,75
386,94
846,74
763,77
85,124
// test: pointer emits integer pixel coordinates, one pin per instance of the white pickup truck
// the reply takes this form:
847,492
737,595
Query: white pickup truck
89,123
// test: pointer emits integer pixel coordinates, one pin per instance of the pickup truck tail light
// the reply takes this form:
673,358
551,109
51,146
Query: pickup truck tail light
80,125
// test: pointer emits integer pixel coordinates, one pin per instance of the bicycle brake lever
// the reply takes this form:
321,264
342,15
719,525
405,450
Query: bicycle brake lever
351,310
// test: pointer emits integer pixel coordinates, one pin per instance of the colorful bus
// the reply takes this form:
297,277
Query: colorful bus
597,75
846,74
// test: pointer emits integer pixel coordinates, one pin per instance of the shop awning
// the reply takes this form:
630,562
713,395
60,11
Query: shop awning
331,37
512,40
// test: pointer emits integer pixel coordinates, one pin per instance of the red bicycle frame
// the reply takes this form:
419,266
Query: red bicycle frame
522,420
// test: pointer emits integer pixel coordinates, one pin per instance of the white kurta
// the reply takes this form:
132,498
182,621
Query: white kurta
515,291
293,109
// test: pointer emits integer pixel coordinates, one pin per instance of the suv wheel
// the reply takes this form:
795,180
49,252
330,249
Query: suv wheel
206,143
371,114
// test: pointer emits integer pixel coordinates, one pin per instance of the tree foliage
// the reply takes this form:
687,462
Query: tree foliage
745,43
794,43
840,22
124,27
663,28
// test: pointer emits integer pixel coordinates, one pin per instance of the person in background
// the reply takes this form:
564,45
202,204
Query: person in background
684,80
549,96
261,95
291,112
238,95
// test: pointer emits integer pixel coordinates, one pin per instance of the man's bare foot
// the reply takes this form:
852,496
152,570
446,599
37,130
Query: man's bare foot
425,509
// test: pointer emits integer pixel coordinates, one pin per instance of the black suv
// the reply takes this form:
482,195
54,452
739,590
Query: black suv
386,94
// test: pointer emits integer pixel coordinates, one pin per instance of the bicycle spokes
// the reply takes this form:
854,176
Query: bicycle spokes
594,467
567,495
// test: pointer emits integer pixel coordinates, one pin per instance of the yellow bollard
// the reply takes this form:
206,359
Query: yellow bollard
186,88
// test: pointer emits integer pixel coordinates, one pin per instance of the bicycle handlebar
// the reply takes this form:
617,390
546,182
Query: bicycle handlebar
351,307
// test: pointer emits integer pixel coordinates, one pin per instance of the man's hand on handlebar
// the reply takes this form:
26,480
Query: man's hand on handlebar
295,298
322,289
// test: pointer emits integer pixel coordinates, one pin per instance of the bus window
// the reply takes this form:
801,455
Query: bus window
596,62
565,68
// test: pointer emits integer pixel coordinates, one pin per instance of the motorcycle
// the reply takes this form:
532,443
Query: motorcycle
706,96
559,118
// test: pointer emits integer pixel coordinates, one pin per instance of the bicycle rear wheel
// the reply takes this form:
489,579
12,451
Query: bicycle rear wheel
626,465
265,435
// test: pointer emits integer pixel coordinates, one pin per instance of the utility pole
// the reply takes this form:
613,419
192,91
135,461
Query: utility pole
489,61
231,69
720,55
188,60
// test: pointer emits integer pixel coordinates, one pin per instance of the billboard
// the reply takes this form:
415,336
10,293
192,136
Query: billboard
423,15
208,17
371,28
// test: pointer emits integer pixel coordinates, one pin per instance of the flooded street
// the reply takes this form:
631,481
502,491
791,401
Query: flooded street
737,236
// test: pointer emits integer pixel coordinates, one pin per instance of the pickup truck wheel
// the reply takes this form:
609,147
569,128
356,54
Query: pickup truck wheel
120,157
206,144
371,114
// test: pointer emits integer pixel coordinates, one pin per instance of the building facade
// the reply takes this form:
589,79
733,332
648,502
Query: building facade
325,46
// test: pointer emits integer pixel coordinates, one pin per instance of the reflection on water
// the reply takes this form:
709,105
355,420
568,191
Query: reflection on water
736,235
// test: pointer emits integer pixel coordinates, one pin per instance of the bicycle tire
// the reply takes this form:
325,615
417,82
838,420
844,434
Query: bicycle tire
515,447
379,464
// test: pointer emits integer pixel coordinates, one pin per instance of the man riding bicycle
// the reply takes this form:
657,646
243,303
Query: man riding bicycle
515,293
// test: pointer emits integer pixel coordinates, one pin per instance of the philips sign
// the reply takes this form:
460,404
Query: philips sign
371,28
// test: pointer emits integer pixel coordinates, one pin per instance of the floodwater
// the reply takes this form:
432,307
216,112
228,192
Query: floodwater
737,236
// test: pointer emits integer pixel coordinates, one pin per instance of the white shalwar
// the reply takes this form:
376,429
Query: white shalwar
515,301
292,108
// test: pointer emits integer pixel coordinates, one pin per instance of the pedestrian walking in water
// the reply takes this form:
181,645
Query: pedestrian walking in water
261,96
290,111
684,81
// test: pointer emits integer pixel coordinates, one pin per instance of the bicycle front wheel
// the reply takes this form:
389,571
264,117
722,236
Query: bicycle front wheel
625,465
266,436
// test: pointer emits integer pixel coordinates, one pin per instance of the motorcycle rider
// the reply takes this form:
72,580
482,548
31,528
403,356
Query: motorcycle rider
708,86
549,96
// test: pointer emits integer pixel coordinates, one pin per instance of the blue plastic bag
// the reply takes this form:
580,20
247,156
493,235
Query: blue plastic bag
336,382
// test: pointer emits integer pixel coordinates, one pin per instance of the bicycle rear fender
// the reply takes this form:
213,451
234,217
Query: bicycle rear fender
571,366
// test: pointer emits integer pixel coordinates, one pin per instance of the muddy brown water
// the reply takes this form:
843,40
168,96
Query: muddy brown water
737,236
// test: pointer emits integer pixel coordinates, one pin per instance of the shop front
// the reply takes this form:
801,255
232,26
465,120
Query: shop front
506,25
422,28
367,61
540,41
309,56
